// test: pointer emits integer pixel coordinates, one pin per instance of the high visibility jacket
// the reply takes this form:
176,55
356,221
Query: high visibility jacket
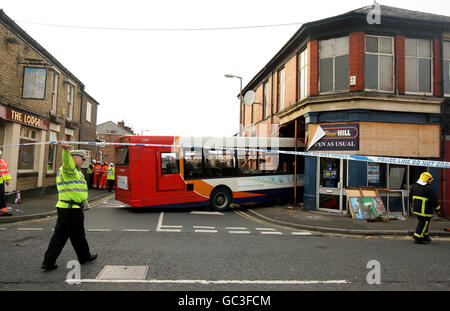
70,182
90,167
97,169
4,172
111,173
105,170
423,200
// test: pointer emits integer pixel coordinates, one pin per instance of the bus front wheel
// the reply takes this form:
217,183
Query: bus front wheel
220,199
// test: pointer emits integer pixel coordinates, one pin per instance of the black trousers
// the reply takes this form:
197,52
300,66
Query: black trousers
69,225
111,183
423,226
2,195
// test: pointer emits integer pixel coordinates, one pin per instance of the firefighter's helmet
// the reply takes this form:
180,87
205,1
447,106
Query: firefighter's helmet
426,177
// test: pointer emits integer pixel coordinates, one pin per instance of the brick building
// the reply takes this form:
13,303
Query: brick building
109,132
376,82
88,124
40,100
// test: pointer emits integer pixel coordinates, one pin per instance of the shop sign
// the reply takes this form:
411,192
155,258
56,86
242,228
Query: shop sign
335,137
23,118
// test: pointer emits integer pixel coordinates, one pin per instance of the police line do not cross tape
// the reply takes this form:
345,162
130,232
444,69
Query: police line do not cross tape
373,159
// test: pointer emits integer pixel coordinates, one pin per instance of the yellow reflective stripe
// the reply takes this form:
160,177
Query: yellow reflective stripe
425,227
424,200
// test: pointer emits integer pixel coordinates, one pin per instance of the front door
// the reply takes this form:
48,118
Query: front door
330,177
169,177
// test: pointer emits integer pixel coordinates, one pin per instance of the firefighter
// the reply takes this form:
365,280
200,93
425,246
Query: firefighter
104,176
97,171
423,201
5,177
111,176
72,193
90,173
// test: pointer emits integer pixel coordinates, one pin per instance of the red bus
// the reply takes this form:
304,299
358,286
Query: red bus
203,171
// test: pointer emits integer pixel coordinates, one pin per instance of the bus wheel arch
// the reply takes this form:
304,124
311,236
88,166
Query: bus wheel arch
221,198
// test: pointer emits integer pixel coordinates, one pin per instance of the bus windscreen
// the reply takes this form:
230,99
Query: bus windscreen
122,156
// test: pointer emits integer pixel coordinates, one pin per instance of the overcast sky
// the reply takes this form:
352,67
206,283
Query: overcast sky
170,82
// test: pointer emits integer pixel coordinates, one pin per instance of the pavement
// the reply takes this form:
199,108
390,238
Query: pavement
328,222
43,206
286,215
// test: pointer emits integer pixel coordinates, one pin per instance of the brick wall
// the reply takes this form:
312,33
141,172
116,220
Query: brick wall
313,70
400,54
437,68
356,60
290,94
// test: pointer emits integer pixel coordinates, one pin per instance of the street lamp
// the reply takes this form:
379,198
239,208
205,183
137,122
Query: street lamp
240,99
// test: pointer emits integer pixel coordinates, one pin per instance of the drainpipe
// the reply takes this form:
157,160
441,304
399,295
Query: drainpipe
81,118
443,142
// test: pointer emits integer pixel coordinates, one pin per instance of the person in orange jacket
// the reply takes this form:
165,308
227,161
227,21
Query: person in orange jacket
4,179
97,173
104,177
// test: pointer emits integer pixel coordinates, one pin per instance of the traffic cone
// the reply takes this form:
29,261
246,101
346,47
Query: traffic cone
17,200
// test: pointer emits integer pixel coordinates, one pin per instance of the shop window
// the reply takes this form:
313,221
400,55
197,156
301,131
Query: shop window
446,64
27,153
170,163
397,177
302,74
52,152
281,89
418,65
376,175
379,64
333,65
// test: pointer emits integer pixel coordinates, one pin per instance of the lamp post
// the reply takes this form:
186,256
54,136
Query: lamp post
240,99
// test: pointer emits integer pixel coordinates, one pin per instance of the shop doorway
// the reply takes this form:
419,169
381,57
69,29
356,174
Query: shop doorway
331,177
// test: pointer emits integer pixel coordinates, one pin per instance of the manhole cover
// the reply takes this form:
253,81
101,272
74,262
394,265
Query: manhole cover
123,273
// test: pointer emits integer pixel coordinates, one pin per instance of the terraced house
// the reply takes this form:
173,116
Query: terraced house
373,81
40,100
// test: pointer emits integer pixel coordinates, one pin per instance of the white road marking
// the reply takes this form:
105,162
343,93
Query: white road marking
169,226
239,232
206,213
98,230
265,229
3,229
205,231
207,282
136,230
271,232
235,228
301,233
30,229
169,230
160,220
203,227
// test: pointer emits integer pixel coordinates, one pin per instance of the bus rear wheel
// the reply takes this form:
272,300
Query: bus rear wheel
220,199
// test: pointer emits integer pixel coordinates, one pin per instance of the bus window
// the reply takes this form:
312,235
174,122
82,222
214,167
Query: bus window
170,163
193,163
122,156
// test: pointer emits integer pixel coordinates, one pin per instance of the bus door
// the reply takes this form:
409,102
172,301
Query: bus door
123,178
169,177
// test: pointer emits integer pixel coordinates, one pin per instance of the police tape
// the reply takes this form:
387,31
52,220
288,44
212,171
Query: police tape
361,158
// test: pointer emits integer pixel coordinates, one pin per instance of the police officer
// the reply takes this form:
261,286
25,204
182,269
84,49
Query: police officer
423,201
72,193
111,176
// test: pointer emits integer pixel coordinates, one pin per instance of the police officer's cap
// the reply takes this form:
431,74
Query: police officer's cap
80,153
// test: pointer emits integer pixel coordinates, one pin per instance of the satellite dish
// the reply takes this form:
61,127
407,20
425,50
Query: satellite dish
249,98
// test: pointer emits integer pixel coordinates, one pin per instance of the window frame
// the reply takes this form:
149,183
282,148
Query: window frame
35,150
334,91
302,87
54,153
88,112
54,92
443,62
281,89
70,103
380,54
266,101
418,68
